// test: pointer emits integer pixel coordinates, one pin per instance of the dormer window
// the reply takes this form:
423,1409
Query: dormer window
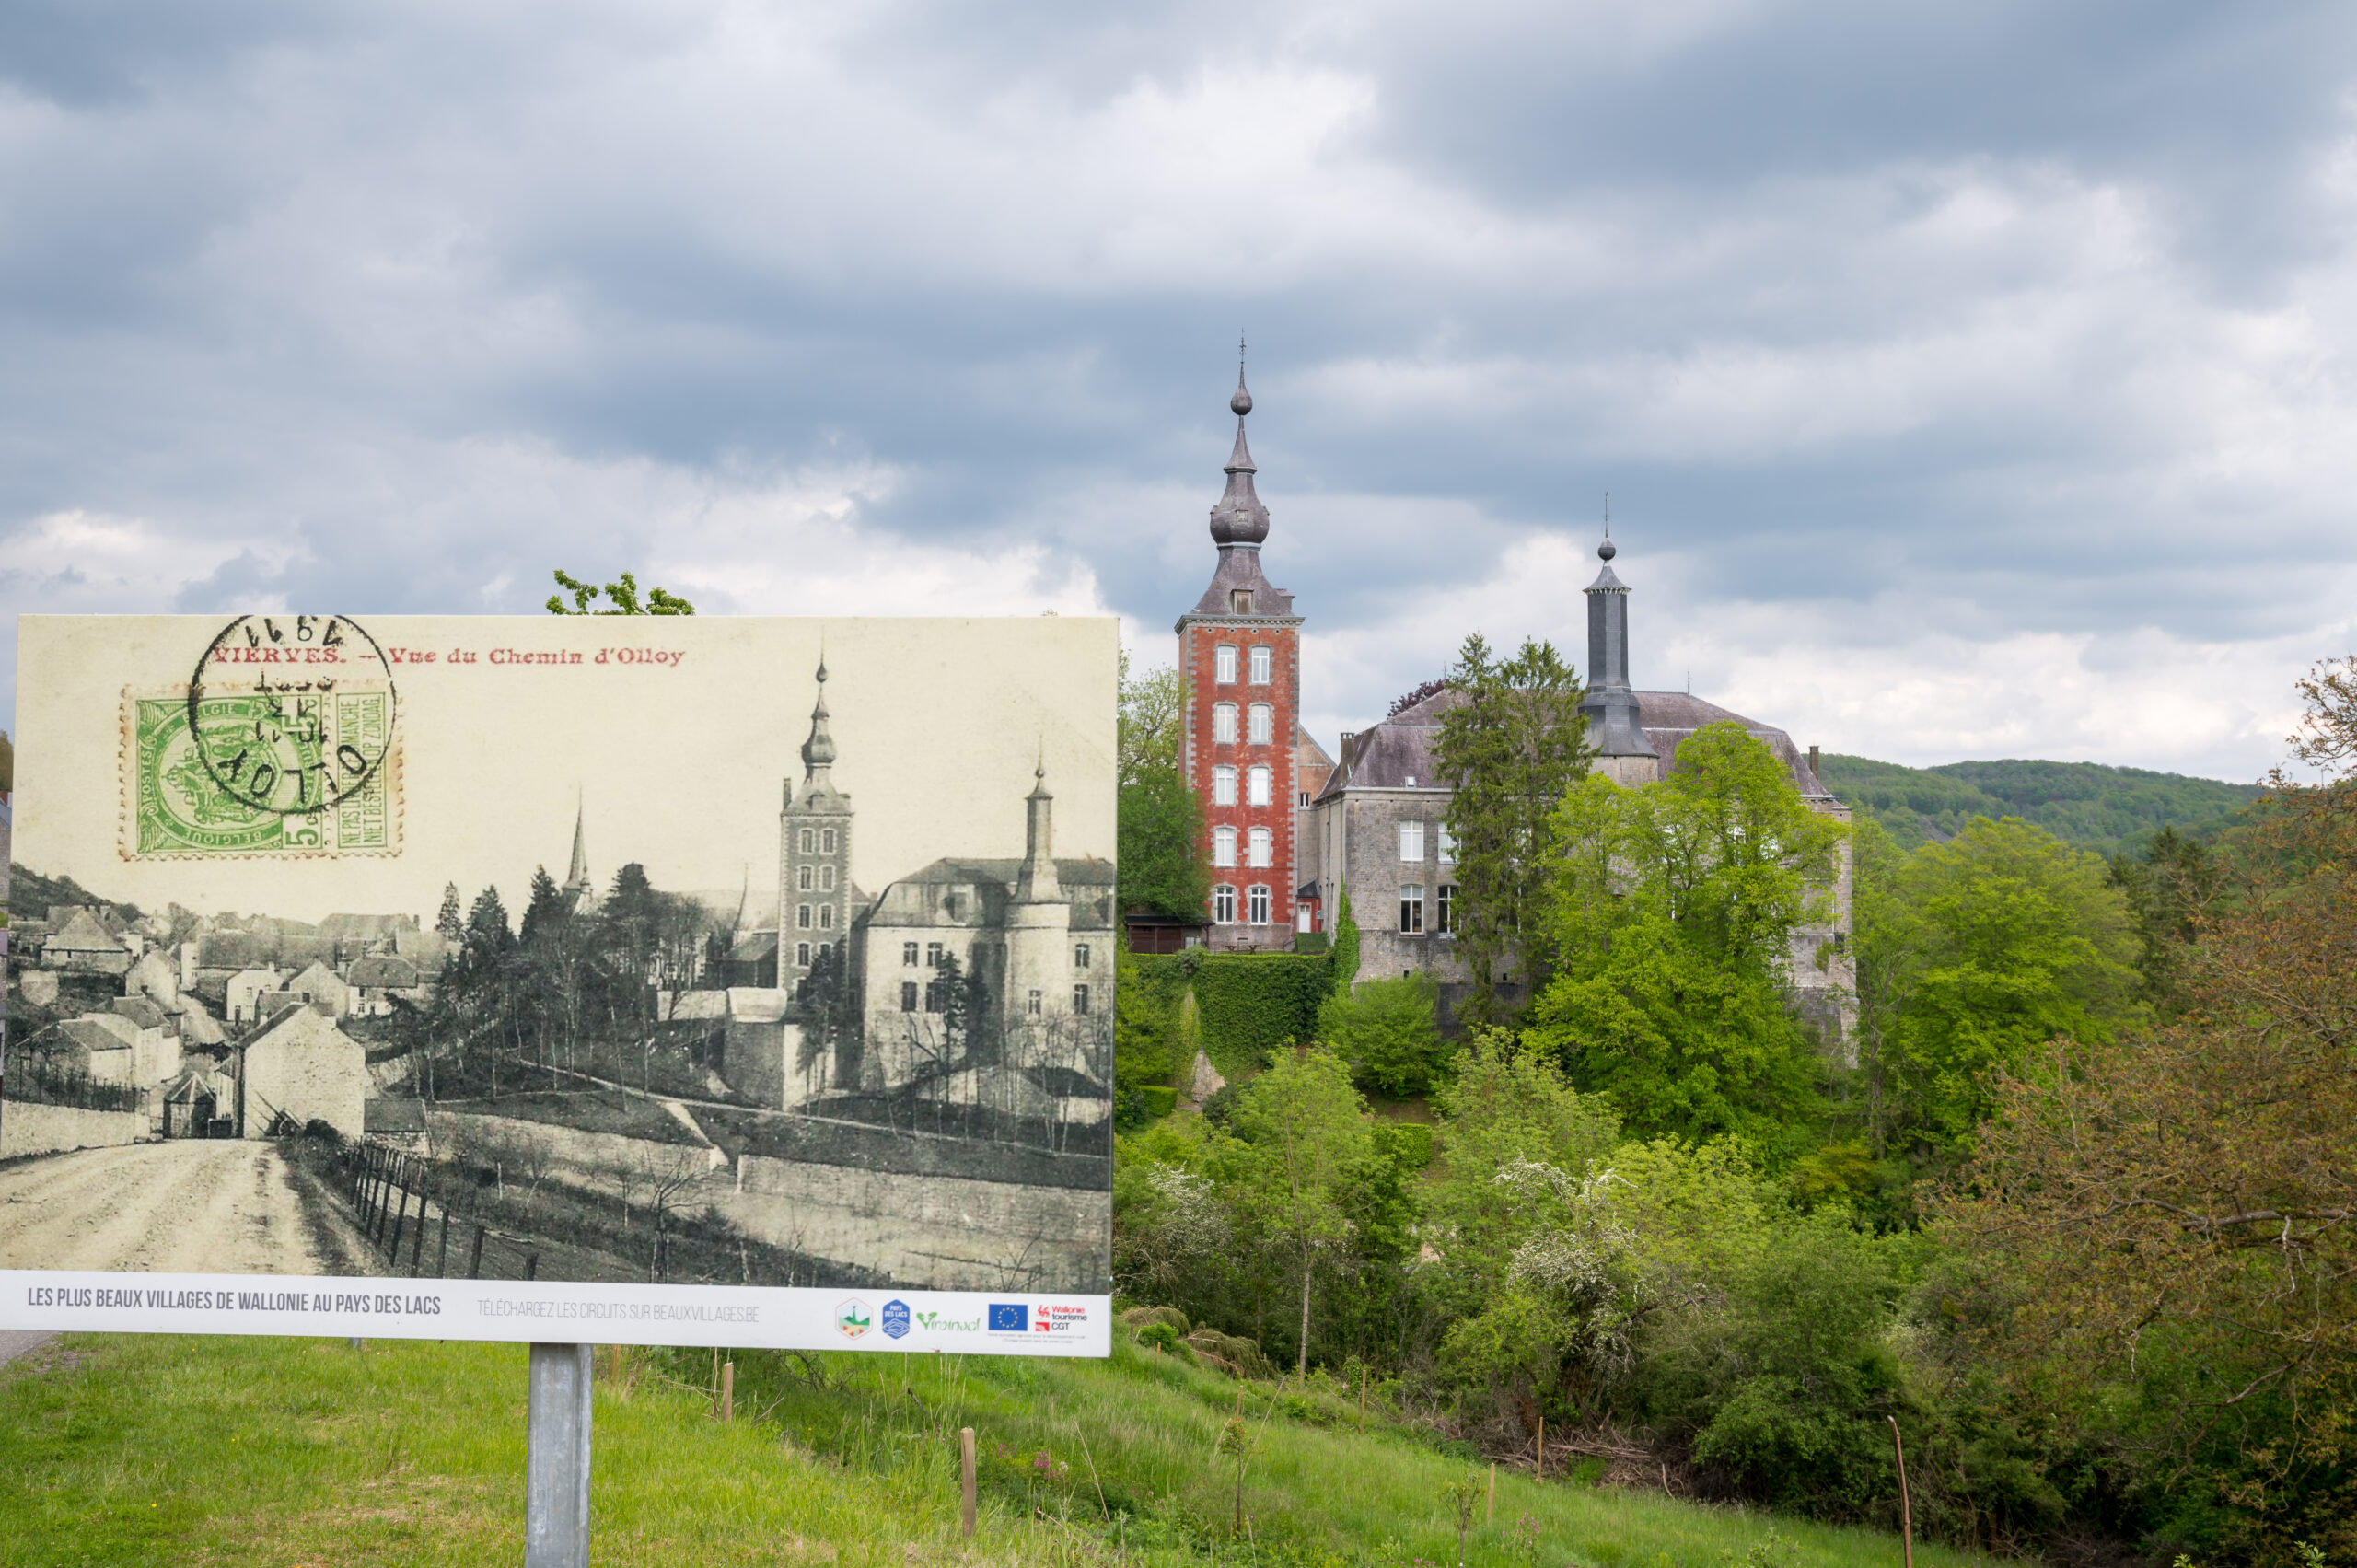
1239,601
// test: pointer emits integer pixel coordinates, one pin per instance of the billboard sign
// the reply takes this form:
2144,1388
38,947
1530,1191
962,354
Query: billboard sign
662,979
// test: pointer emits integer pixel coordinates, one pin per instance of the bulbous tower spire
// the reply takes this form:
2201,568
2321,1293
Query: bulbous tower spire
819,751
1239,518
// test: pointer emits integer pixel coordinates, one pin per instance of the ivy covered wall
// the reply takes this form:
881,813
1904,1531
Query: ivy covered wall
1251,1002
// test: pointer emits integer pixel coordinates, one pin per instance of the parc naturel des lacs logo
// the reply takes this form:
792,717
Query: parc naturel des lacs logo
853,1319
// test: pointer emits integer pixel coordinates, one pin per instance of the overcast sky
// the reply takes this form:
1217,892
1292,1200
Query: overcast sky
1969,380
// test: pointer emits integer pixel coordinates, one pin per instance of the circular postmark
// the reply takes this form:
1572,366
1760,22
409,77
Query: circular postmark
292,714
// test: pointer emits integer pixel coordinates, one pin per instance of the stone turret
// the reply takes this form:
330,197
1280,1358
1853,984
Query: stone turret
1614,727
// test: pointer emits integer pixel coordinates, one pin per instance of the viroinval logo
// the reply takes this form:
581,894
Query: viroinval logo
942,1323
895,1319
852,1318
1008,1317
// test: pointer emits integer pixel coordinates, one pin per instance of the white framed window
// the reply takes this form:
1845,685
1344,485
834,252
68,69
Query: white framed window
826,878
1033,1005
907,996
1224,665
1411,840
1263,729
809,841
1258,781
802,916
802,954
1411,907
1224,785
827,841
1224,905
826,917
1080,1001
1445,844
1080,955
935,955
1444,920
1261,846
1305,800
804,876
908,955
1223,723
1256,905
1223,846
1263,665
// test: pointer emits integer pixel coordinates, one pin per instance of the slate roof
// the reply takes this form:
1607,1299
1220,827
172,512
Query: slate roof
383,973
1399,749
923,899
78,931
99,1031
139,1011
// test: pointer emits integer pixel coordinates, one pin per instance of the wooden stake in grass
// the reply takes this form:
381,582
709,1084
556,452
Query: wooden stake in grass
1906,1514
1542,1447
1362,1396
966,1481
1489,1511
728,1390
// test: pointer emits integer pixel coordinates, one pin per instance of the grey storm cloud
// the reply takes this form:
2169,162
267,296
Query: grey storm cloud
1969,380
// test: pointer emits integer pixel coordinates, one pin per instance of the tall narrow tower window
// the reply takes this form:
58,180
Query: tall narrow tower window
1224,665
1224,785
1411,840
1263,660
1224,905
1223,723
1264,723
1257,780
1223,846
1261,846
1257,906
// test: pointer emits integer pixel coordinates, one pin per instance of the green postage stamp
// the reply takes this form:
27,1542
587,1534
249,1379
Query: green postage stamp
262,773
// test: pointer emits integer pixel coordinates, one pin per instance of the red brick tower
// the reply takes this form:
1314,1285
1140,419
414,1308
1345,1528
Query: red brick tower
1239,649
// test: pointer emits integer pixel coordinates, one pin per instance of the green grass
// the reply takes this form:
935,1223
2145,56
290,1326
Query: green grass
134,1449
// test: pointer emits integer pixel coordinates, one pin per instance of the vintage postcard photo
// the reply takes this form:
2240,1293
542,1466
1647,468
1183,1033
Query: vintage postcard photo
664,951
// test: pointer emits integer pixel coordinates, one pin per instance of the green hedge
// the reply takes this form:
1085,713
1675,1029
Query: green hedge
1161,1100
1408,1144
1252,1002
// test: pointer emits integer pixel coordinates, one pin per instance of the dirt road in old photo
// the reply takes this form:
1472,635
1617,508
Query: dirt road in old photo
187,1206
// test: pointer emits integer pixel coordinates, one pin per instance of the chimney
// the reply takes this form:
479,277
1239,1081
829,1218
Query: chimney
1812,760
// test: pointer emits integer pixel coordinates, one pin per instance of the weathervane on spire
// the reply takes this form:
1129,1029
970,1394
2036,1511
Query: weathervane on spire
1605,551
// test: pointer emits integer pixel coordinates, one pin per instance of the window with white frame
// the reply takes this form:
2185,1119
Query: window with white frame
1261,846
1258,781
1224,905
1263,728
1263,663
1223,846
1445,844
1080,955
1256,905
1080,1001
827,841
934,955
1444,920
809,841
1035,1005
1223,723
802,954
907,996
826,917
826,878
1224,665
1224,785
802,916
908,955
806,878
1411,840
1411,907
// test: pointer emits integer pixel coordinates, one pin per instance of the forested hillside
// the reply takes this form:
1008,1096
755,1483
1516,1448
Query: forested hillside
2087,805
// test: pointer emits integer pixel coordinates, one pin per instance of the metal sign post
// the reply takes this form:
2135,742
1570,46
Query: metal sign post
556,1470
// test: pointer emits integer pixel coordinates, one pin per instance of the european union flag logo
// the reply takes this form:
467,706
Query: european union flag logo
1007,1318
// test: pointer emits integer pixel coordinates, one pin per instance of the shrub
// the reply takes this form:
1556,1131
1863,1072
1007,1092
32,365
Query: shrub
1388,1032
1408,1144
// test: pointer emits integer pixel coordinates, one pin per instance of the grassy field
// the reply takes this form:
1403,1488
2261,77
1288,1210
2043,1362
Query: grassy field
133,1450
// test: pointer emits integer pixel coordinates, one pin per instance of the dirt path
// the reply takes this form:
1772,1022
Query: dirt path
185,1206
